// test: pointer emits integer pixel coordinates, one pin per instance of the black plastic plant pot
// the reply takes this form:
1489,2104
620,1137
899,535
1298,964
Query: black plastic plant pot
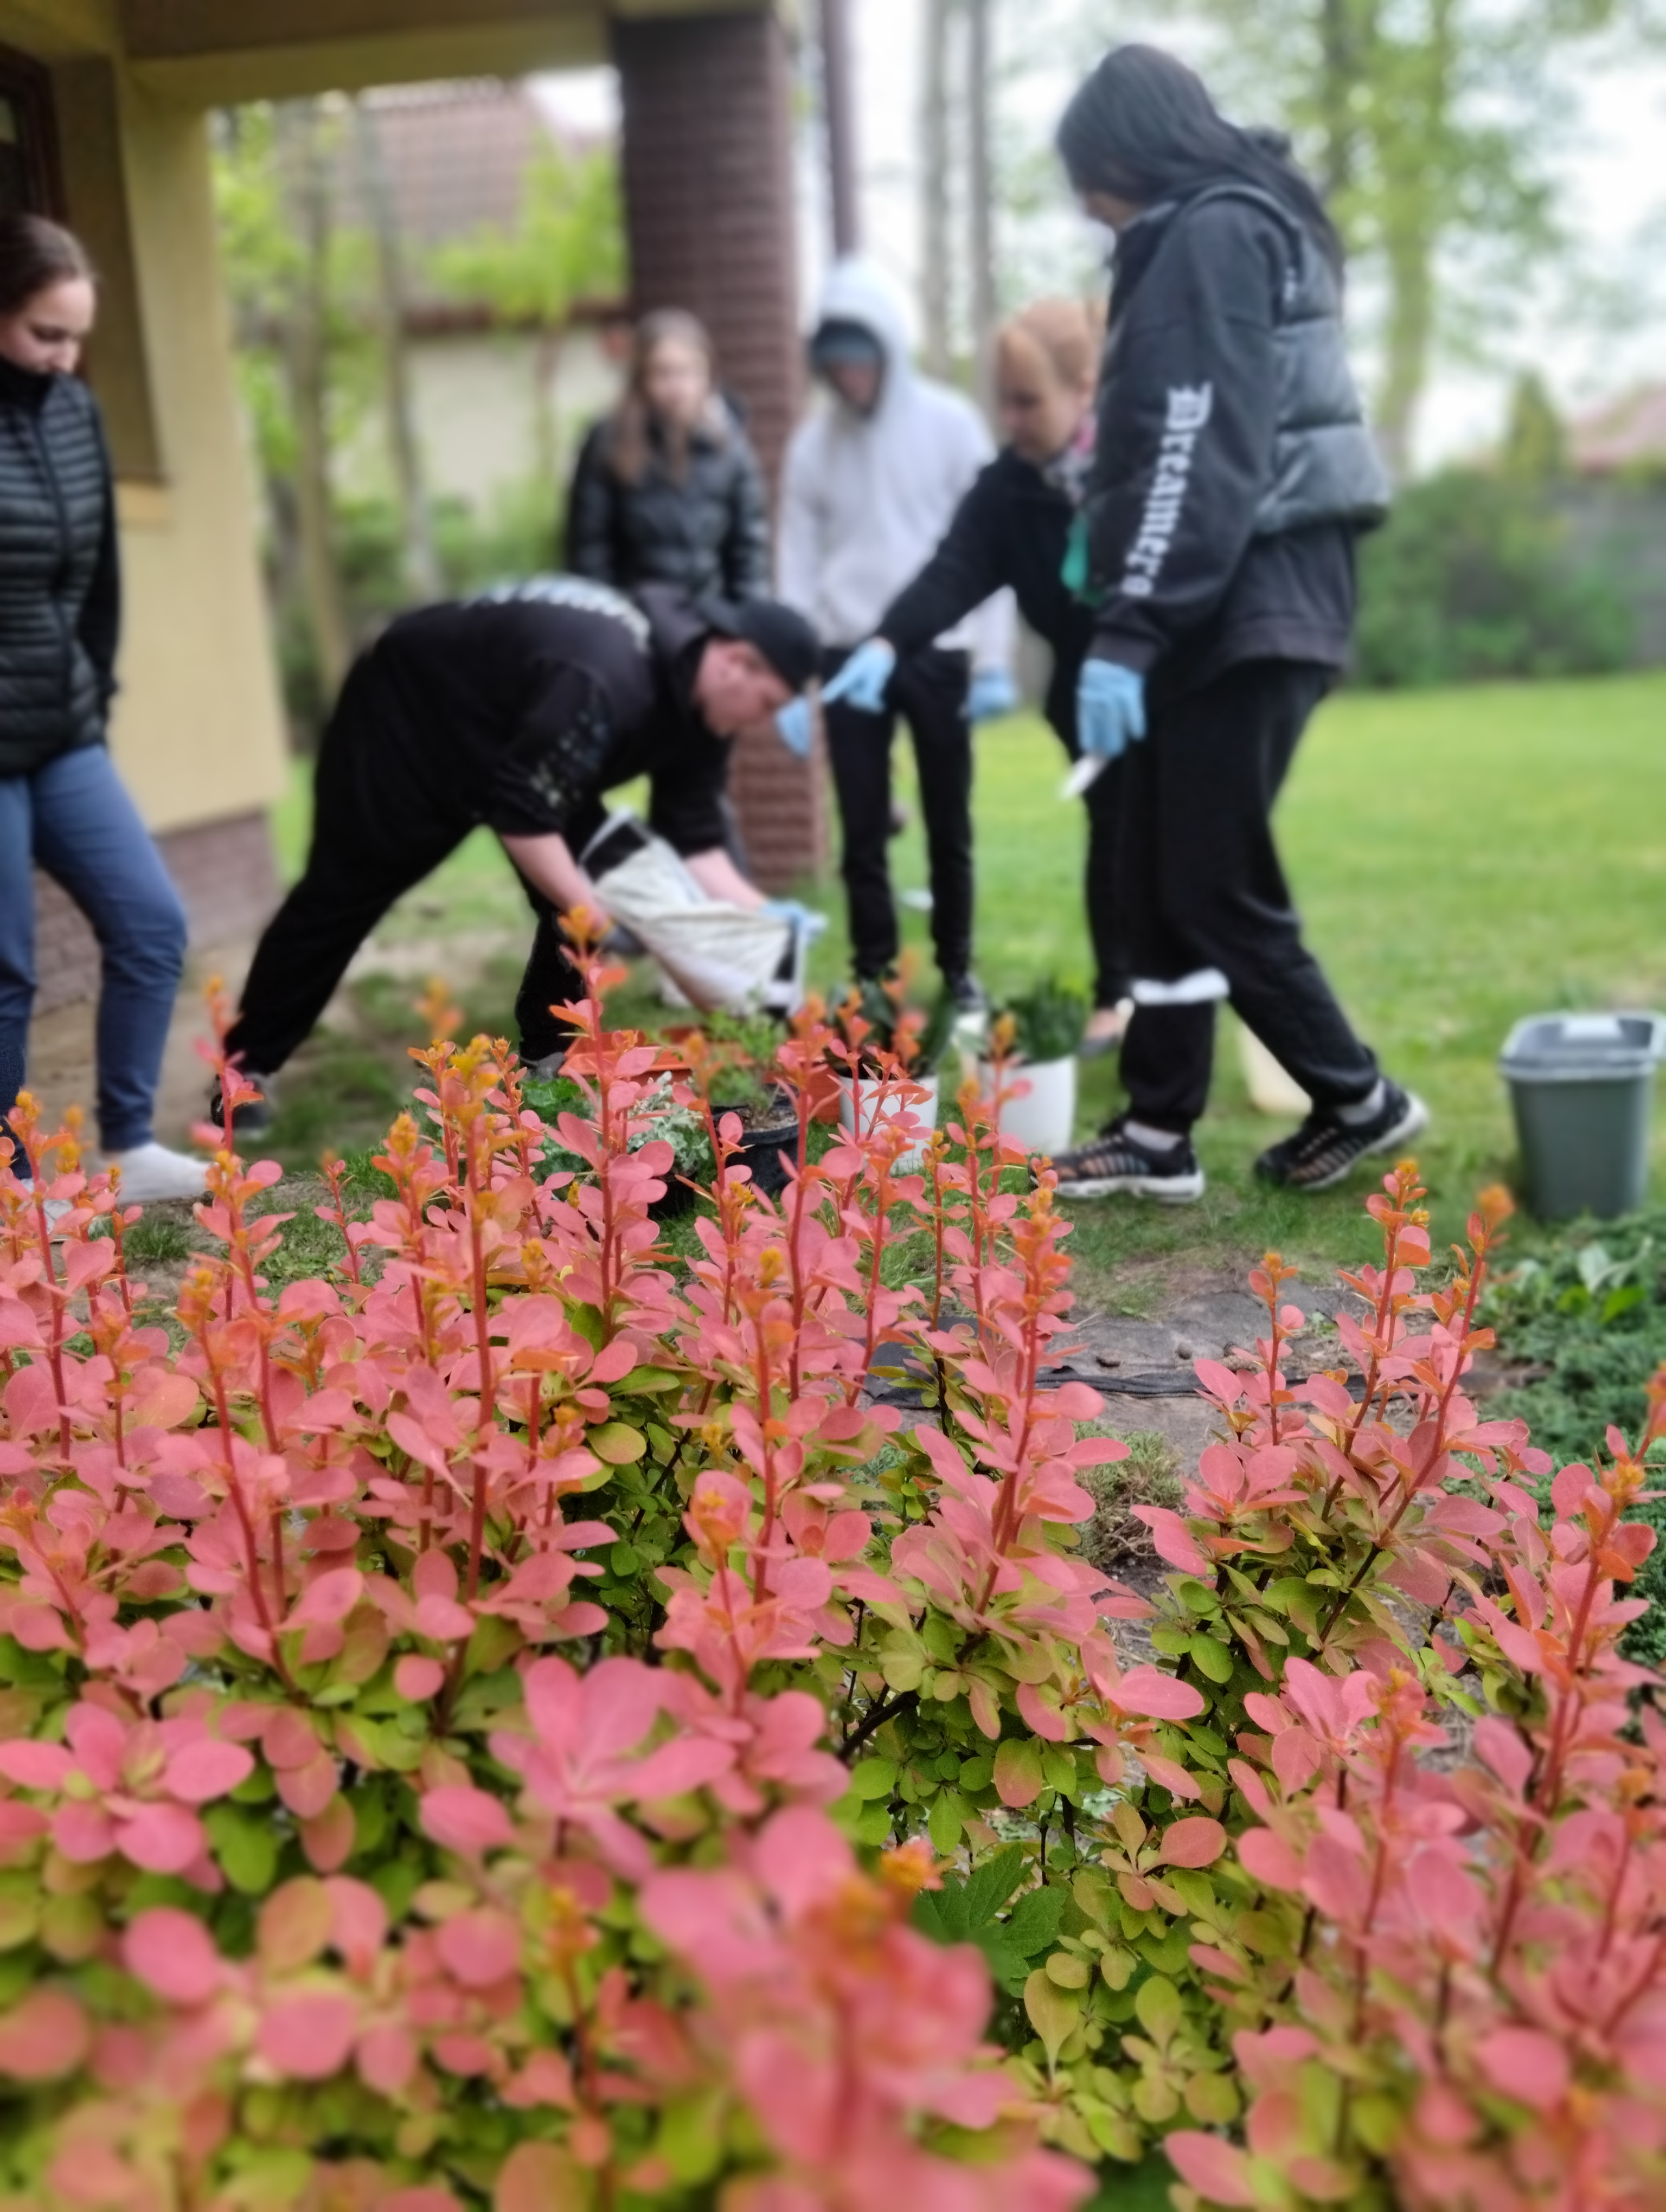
680,1198
766,1153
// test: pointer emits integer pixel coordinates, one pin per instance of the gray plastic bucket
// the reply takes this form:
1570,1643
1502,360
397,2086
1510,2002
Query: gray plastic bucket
1581,1086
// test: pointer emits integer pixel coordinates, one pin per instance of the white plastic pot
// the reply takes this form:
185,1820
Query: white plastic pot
1044,1119
867,1099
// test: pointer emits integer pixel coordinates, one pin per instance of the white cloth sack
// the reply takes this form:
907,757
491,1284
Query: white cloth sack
722,957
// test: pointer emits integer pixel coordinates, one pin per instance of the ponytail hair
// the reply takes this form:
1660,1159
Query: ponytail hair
35,255
1143,128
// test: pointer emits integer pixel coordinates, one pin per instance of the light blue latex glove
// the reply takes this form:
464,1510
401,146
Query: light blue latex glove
1110,709
808,919
795,725
993,695
863,679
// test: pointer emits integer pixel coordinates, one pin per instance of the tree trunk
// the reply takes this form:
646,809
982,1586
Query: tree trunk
839,109
981,197
305,374
420,560
936,253
1413,217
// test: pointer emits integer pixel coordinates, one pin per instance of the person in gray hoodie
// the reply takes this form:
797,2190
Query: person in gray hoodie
872,482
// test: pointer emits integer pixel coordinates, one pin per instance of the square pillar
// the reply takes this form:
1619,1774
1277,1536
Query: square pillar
708,167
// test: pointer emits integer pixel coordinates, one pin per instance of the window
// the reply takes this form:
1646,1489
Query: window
28,141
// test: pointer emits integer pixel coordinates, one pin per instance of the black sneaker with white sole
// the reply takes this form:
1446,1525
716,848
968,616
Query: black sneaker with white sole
254,1115
1323,1150
1114,1161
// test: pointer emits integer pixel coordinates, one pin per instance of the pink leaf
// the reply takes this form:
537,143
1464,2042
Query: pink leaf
1173,1540
207,1769
1194,1841
685,1762
327,1836
463,1819
1217,2170
480,1947
1157,1696
331,1597
172,1953
161,1838
1525,2066
44,2036
416,1678
35,1766
1270,1859
387,2059
307,2038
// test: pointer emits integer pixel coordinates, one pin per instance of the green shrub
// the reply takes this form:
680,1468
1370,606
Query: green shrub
1469,579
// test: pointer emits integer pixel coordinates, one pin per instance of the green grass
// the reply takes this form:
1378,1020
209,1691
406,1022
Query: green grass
1461,858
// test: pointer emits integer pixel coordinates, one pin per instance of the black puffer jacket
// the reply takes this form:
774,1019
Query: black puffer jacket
59,589
707,533
1012,529
1234,467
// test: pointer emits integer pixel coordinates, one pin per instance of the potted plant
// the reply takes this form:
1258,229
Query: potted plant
891,1052
733,1070
683,1128
1042,1033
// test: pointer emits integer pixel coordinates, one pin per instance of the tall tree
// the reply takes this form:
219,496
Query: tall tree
1429,123
980,188
420,560
936,244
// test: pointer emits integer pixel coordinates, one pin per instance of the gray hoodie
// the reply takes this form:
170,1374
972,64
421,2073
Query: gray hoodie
866,499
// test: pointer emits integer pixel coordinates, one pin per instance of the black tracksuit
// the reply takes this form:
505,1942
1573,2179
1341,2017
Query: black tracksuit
1013,530
1233,472
519,710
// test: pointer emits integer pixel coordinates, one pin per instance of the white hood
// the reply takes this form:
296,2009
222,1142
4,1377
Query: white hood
866,499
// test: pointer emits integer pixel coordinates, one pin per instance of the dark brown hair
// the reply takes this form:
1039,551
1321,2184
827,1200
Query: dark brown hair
630,426
35,255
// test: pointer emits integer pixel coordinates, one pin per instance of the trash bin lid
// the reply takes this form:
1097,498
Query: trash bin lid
1584,1048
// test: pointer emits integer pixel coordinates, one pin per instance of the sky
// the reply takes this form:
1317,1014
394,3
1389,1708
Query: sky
1612,187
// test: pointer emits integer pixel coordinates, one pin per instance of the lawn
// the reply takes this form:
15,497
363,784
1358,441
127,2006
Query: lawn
1462,858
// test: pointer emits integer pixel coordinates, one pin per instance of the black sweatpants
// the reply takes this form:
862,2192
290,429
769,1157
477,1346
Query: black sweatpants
928,690
378,827
1204,905
1103,802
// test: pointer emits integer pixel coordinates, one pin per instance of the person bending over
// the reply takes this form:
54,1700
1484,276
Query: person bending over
519,709
872,481
1232,474
1018,527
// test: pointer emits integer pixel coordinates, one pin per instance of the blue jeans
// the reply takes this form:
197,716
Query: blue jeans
74,818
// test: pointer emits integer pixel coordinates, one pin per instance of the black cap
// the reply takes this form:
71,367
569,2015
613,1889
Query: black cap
838,340
778,632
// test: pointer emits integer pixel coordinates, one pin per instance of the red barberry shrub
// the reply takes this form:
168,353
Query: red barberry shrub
523,1721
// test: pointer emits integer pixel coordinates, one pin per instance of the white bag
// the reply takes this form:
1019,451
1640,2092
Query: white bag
720,956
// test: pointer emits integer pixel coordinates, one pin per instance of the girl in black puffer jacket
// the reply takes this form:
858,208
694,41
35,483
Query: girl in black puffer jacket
62,806
667,490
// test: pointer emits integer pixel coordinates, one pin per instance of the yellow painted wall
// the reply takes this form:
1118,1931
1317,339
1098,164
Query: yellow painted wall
197,730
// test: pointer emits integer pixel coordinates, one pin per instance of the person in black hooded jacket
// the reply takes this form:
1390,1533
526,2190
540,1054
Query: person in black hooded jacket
1232,474
520,709
668,489
62,807
1014,529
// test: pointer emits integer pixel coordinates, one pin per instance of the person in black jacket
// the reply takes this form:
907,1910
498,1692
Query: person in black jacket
1014,528
62,804
1232,473
667,490
520,709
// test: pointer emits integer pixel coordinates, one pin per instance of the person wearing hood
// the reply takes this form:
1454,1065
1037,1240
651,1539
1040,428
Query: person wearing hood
872,481
1015,529
519,709
1232,474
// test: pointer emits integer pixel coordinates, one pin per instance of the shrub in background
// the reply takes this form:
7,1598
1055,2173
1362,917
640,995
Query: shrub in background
508,1724
1470,578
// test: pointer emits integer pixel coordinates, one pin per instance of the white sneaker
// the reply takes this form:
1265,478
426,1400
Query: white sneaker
151,1171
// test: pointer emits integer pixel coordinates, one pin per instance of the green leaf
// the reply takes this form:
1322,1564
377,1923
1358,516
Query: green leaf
989,1885
1059,1766
1211,1658
1055,2014
19,1909
1157,2005
245,1845
946,1820
873,1777
1018,1774
622,1560
1069,1971
616,1443
871,1824
1033,1925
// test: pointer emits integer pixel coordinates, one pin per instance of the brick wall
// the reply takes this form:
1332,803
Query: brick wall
225,874
709,203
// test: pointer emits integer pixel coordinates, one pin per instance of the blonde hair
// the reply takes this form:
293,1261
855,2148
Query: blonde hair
1062,337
